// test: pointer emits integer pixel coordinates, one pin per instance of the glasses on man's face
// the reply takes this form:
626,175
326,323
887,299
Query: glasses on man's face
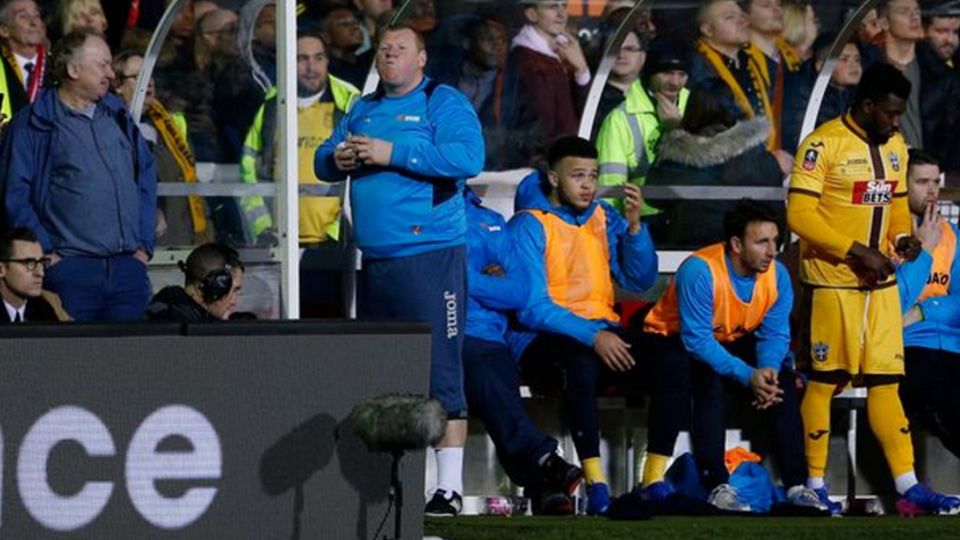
31,264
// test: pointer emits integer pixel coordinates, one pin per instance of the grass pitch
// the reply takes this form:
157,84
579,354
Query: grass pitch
709,528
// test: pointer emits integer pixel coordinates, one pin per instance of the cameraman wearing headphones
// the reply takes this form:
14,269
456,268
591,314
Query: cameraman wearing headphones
212,282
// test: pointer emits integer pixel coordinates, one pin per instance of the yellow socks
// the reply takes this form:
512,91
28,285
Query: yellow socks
592,472
887,420
815,410
654,468
890,425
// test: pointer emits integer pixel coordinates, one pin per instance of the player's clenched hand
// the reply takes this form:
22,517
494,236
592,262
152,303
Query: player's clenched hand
345,157
766,388
869,264
909,247
614,351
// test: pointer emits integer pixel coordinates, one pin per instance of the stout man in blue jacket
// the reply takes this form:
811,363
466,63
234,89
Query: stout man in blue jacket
409,148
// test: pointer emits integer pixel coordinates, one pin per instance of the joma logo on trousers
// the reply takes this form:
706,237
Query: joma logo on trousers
451,301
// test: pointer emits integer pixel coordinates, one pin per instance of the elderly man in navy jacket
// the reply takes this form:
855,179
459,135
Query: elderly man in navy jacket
76,171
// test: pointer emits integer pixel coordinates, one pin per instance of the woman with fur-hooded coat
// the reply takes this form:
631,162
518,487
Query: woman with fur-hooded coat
708,149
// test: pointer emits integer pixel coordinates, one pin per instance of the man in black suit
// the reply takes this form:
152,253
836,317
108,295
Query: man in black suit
22,266
23,54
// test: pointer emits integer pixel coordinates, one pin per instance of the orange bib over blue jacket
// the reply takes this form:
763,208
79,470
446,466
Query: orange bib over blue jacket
577,261
732,317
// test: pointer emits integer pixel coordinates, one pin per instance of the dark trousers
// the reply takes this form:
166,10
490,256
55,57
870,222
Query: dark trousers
556,361
101,289
428,287
708,430
492,384
929,393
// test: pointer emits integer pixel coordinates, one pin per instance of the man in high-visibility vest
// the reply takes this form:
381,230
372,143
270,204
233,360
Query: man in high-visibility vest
627,140
322,100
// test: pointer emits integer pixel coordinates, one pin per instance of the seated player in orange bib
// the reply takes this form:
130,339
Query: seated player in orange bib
571,249
730,304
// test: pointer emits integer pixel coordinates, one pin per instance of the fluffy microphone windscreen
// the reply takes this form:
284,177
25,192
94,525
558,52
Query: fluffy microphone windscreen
397,423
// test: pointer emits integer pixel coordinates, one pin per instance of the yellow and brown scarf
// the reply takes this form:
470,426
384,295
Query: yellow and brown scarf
790,61
177,144
715,59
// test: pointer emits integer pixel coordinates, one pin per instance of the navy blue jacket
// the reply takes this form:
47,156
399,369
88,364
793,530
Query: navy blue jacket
26,160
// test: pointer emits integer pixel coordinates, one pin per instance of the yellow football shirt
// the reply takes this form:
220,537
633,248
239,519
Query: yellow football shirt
844,189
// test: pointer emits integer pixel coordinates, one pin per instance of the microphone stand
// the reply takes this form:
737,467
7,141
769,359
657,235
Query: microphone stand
396,492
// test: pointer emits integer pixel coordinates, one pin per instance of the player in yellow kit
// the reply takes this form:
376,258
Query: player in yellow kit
848,204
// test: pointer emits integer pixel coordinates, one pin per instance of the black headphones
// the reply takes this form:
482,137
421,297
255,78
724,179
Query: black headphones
216,284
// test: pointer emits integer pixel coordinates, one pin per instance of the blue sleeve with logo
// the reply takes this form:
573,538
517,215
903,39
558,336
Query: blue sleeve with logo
457,151
501,293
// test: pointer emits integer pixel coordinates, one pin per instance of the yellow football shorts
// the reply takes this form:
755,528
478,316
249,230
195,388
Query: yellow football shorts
860,332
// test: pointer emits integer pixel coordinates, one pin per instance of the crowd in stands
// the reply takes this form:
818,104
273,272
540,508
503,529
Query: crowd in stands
492,89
